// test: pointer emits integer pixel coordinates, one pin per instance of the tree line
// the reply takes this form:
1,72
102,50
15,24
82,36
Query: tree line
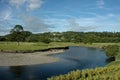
18,34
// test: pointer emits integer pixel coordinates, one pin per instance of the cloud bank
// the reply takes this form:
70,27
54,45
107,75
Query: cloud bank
34,4
74,26
29,4
35,24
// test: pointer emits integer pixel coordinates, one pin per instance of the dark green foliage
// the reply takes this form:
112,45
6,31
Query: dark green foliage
89,38
2,38
17,28
32,38
111,50
46,40
17,34
70,36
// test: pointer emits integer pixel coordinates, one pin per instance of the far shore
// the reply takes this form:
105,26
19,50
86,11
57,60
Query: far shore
20,59
32,51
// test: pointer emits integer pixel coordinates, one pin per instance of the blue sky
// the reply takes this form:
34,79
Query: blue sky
60,15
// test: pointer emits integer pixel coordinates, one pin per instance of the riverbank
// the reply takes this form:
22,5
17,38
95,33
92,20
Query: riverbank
14,59
54,49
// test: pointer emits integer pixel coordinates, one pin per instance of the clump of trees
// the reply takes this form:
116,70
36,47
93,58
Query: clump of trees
111,50
17,34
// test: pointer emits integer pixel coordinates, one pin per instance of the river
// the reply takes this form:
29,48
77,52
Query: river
72,59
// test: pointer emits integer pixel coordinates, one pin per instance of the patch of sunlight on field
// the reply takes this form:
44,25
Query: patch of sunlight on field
12,46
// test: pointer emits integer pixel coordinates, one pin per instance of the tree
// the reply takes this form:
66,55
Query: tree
111,50
46,40
16,33
25,35
89,38
2,38
32,38
17,28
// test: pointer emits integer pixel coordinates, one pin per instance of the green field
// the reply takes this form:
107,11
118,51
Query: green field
12,46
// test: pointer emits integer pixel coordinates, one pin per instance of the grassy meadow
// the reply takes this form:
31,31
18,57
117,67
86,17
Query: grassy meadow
12,46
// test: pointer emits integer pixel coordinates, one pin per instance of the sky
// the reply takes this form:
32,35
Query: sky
40,16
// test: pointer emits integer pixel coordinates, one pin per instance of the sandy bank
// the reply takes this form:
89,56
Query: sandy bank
16,59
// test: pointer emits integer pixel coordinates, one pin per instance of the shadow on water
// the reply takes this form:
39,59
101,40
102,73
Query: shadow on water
17,71
72,59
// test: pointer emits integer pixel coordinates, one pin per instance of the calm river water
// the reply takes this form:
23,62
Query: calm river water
72,59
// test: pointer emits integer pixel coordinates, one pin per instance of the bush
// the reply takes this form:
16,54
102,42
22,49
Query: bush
46,40
111,50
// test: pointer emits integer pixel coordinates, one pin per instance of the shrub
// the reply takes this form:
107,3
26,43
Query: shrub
111,50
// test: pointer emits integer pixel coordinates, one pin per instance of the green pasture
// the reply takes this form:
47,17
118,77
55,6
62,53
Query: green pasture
12,46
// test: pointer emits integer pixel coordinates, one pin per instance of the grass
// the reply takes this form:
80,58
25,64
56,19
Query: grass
12,46
103,73
115,63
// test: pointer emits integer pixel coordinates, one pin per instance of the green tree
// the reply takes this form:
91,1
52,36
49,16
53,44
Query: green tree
32,38
89,38
16,34
25,35
111,50
46,40
17,28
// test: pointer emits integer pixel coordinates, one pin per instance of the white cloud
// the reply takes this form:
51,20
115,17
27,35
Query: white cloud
17,3
34,4
54,21
57,24
29,4
100,3
35,24
75,26
5,15
97,23
3,30
111,15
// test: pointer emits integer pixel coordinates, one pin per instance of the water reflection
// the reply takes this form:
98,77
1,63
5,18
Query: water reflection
17,71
